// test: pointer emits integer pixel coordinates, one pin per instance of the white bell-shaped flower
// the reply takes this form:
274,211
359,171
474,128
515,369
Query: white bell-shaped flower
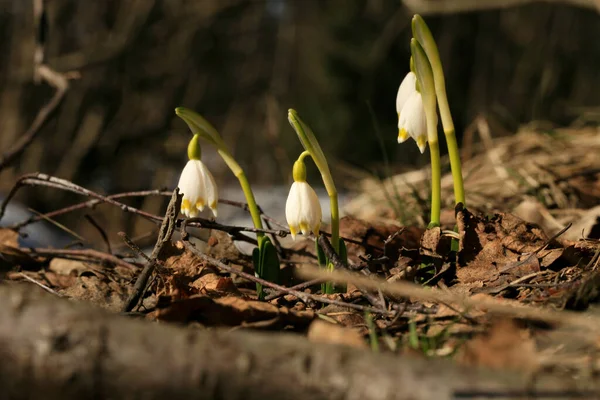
198,188
406,89
412,121
303,209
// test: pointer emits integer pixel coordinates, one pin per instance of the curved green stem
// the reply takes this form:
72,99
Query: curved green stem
312,147
425,77
241,176
422,33
201,127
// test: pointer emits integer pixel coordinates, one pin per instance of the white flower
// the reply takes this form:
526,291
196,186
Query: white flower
412,121
407,87
302,209
198,188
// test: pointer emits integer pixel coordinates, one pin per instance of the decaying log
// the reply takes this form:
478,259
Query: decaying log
53,348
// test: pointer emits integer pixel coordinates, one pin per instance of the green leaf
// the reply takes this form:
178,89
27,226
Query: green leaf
340,287
266,263
321,257
199,125
270,262
256,263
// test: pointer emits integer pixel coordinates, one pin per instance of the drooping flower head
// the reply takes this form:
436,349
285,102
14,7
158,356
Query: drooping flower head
197,184
412,121
302,209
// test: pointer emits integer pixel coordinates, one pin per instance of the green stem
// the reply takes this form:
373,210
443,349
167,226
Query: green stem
436,184
455,166
241,176
422,33
252,206
312,147
303,155
335,222
425,76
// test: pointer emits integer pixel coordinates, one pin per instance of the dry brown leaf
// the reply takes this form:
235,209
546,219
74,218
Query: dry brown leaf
8,237
504,346
588,226
232,311
63,266
60,281
490,247
431,242
344,316
100,291
366,233
375,235
325,332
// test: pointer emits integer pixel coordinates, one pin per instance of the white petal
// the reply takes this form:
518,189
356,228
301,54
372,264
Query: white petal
211,195
413,120
188,182
198,188
310,217
302,209
406,89
292,209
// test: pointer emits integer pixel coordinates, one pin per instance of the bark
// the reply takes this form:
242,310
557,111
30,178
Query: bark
53,348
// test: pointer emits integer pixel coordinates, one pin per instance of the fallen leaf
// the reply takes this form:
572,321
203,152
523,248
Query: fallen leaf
504,346
63,266
587,226
325,332
497,246
59,281
8,237
231,311
100,291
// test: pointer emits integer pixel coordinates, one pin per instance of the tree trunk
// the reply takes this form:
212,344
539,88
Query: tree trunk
57,349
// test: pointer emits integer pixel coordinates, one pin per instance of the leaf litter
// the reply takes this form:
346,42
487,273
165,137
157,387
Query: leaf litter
512,249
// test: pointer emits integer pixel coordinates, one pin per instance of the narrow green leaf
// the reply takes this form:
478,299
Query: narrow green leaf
270,262
256,263
321,257
340,287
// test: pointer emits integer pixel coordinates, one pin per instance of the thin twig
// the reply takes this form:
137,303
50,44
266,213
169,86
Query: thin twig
100,230
88,255
536,251
136,249
164,236
61,84
338,263
300,286
410,290
88,204
39,179
305,297
40,284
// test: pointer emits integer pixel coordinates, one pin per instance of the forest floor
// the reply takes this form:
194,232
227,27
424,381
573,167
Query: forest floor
509,282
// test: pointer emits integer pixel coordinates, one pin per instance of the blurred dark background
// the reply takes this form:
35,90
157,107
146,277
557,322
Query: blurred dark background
243,63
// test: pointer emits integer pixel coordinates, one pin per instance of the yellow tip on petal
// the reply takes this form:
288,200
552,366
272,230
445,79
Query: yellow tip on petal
422,143
304,228
213,208
316,230
402,135
200,204
293,231
185,205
